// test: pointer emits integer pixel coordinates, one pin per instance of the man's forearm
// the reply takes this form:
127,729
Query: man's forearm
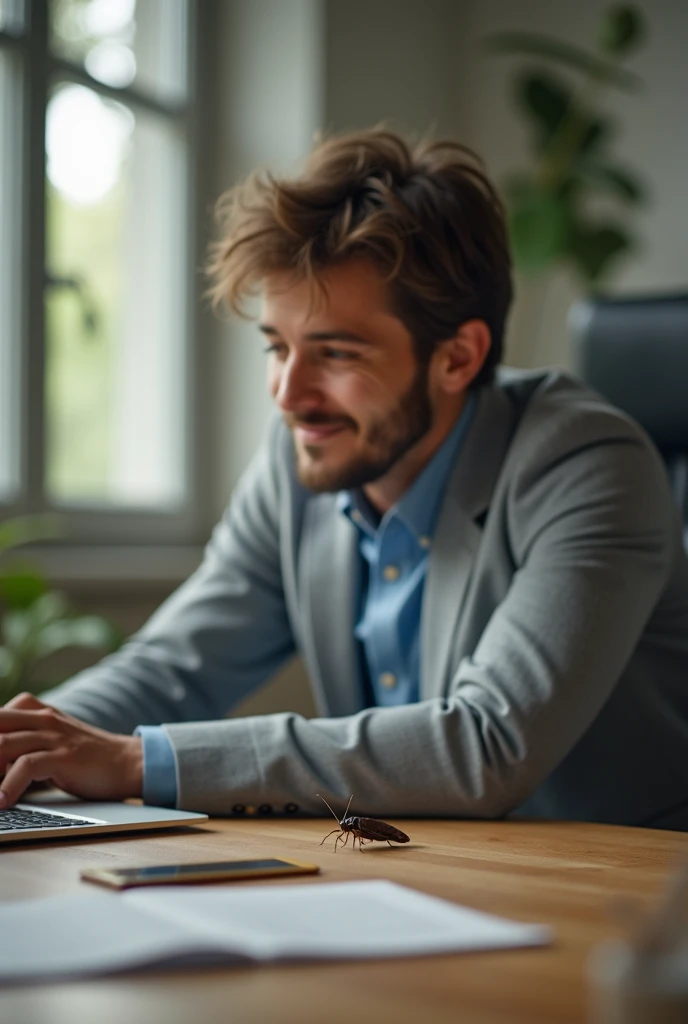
419,759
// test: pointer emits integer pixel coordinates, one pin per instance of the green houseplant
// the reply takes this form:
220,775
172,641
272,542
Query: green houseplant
36,620
550,204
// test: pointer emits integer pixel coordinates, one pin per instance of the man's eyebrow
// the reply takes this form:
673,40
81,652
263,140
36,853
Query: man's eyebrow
335,335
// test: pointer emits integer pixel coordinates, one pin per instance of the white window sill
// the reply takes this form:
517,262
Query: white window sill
163,565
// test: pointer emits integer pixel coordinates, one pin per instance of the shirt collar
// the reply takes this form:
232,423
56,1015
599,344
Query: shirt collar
419,505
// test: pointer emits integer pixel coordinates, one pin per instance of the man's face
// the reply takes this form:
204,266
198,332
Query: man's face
344,373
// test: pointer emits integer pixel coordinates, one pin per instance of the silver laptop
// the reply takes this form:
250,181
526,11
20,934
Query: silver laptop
54,815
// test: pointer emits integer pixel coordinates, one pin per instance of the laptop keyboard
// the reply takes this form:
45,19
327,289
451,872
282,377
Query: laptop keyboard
18,819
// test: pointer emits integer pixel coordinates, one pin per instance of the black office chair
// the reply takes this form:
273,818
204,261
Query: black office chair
634,351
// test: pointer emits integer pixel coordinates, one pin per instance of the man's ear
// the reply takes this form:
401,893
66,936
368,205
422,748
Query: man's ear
460,358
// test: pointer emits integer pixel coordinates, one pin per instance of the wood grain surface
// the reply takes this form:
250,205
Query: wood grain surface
581,879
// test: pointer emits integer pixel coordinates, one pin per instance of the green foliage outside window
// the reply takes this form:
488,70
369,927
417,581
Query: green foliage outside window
81,324
550,220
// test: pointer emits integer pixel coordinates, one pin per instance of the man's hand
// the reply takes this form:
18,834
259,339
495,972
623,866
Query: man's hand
40,743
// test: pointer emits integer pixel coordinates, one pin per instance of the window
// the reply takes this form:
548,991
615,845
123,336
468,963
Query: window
10,109
97,266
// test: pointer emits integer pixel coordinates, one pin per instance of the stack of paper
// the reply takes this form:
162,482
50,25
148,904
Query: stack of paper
98,932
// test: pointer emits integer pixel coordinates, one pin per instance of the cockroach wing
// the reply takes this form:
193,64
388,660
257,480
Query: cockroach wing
371,828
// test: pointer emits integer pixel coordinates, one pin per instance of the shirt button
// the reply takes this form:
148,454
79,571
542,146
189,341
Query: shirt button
388,680
424,542
391,573
357,516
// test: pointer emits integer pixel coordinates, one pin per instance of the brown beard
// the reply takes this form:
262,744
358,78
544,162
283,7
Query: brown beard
386,442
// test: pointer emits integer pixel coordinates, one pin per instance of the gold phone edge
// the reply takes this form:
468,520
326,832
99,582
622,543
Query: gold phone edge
113,880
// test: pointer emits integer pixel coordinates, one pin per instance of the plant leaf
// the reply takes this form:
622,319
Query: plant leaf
94,631
622,28
547,100
7,663
614,179
20,587
16,629
51,606
538,225
596,134
533,45
593,247
86,631
25,529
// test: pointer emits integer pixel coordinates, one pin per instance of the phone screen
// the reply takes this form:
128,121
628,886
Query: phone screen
166,874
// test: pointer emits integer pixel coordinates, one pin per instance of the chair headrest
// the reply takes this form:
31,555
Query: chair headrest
635,352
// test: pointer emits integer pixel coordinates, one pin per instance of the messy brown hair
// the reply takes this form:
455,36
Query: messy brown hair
426,215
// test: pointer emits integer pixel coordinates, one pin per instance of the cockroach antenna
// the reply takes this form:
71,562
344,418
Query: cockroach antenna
330,809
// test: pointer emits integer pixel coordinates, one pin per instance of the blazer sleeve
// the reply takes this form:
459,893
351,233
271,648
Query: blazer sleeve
219,636
594,538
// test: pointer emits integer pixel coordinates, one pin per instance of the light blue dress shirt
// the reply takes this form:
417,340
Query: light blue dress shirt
394,552
159,767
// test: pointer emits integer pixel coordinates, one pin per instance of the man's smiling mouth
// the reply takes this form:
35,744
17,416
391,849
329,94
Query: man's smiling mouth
317,433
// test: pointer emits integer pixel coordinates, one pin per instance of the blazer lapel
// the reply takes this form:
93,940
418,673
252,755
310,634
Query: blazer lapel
328,581
457,534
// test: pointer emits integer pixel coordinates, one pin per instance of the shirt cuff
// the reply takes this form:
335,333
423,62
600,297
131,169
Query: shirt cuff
159,767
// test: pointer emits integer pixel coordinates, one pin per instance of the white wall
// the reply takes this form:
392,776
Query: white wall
268,105
389,61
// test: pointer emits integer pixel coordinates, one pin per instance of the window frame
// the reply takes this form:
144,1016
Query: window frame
93,524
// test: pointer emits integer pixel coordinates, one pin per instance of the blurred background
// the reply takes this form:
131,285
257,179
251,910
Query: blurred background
127,411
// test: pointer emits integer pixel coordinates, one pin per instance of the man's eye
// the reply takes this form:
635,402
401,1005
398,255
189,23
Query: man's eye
338,354
276,349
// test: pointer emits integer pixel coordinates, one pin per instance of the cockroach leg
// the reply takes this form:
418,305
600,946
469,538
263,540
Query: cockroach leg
328,836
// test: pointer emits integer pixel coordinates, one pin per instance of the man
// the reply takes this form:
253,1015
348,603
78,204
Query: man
484,575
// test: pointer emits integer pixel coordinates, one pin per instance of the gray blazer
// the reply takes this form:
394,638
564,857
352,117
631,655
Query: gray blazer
554,636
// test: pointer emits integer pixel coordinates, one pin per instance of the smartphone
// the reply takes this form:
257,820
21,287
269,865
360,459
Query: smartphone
221,871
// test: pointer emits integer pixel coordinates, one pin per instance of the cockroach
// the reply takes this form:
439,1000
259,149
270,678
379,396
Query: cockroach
368,829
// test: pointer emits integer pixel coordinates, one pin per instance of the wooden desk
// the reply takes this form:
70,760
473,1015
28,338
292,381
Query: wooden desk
566,875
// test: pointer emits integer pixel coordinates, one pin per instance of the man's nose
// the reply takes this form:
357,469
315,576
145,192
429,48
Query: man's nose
295,386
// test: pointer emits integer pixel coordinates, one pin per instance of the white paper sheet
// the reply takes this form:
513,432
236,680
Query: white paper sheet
334,920
91,932
86,933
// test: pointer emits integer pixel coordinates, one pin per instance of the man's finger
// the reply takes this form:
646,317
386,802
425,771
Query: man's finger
25,702
34,767
11,720
15,744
